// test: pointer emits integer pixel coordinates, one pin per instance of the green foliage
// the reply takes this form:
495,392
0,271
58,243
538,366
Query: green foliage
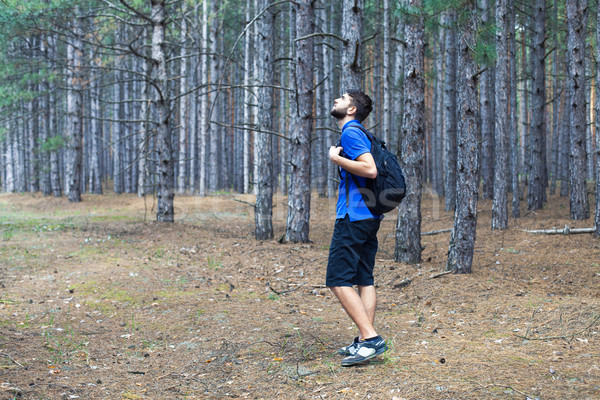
53,143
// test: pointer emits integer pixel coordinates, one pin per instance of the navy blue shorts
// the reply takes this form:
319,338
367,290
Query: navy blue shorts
352,253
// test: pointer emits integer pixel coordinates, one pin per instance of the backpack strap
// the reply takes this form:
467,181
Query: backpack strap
370,137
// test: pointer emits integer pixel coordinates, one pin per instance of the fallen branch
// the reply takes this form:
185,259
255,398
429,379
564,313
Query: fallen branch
440,274
403,283
245,202
431,233
285,291
11,359
567,338
565,231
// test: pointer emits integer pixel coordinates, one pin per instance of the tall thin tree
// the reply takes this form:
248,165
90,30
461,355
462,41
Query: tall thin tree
577,12
537,160
462,239
449,110
75,110
299,197
502,124
408,230
263,210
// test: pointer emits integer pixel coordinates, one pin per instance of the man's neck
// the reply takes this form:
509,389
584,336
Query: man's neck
345,120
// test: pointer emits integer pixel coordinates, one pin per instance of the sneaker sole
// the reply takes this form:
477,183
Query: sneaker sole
351,363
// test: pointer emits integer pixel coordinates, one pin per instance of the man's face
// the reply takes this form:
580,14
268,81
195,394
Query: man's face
340,107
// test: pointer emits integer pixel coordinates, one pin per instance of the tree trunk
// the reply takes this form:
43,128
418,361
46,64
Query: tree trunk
183,112
462,240
577,11
449,110
299,198
95,180
408,230
597,122
203,122
55,182
214,130
398,86
352,29
387,98
166,173
74,130
556,100
263,210
514,116
144,127
487,120
44,128
502,124
537,184
565,136
33,181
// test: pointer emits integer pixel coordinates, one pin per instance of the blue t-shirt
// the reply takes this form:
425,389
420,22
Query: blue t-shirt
355,143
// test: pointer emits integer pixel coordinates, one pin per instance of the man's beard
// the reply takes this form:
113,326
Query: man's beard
338,114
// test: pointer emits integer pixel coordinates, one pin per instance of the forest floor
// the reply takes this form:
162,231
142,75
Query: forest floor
99,302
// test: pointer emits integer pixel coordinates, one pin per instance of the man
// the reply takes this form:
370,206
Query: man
354,243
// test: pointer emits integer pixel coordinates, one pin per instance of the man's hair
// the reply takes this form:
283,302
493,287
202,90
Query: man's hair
362,102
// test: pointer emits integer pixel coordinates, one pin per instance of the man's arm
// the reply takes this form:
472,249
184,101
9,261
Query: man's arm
364,165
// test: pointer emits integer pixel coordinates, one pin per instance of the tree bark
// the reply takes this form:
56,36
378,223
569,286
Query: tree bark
352,30
408,230
577,11
95,181
299,198
166,173
438,154
74,112
213,130
537,184
263,210
502,85
514,116
183,112
450,123
462,240
487,120
597,122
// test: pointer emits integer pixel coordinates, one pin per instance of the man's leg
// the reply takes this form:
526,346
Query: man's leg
369,300
355,308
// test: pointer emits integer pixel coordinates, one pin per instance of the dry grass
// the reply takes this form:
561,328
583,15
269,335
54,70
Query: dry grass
98,301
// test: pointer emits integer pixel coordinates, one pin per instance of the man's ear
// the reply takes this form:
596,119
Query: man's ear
351,110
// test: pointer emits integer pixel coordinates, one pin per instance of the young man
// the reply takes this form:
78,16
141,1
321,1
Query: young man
354,243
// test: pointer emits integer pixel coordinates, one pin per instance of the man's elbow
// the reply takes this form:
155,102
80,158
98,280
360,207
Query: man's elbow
371,173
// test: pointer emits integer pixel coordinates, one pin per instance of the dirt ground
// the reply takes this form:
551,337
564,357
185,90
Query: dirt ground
99,302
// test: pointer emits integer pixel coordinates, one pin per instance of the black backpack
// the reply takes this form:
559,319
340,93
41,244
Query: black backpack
387,190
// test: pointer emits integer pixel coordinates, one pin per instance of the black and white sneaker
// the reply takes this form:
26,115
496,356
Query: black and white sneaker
350,349
365,350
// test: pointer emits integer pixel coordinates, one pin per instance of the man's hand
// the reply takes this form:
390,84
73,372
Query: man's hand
334,154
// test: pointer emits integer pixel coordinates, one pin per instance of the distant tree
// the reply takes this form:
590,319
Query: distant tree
577,12
462,240
486,98
408,230
502,123
263,210
537,179
74,132
597,122
449,110
514,115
